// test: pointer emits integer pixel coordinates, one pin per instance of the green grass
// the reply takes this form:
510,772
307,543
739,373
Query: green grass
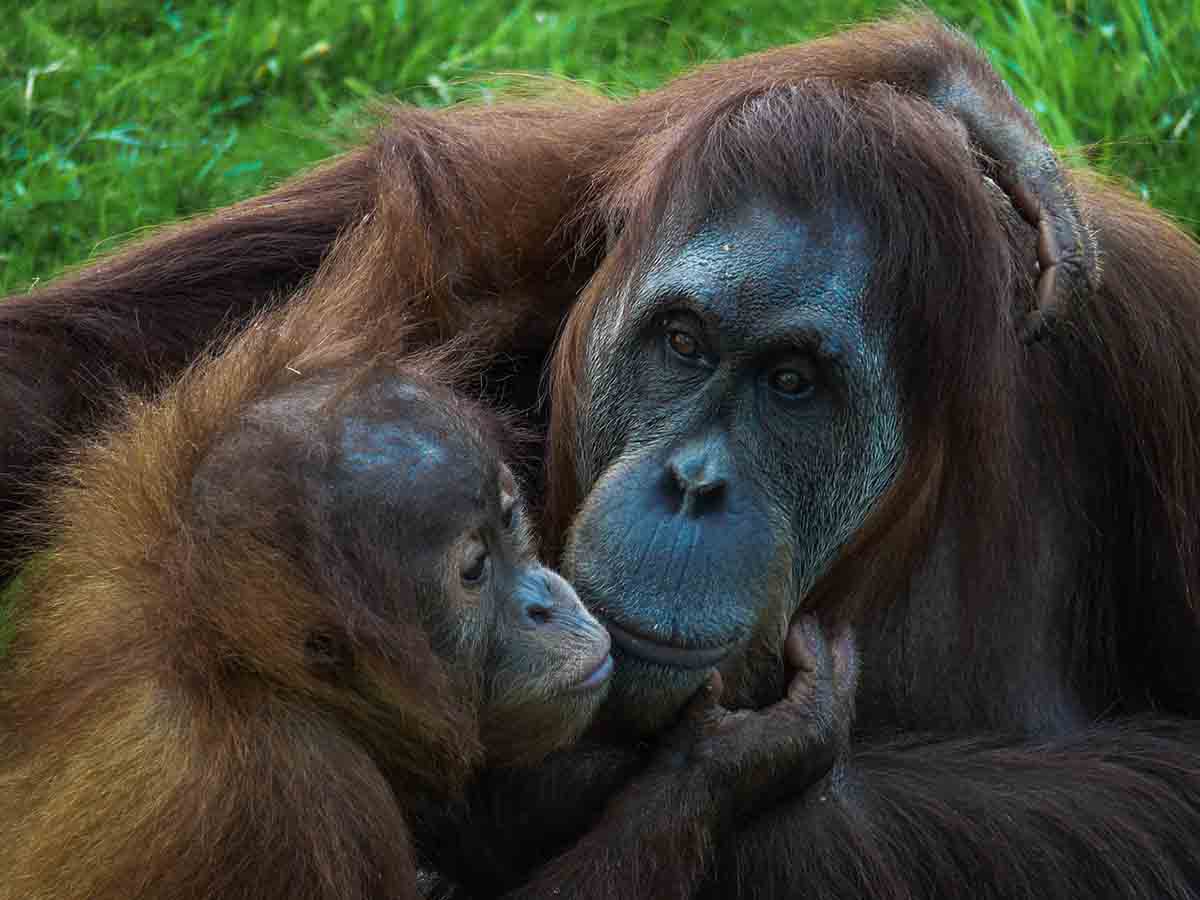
120,114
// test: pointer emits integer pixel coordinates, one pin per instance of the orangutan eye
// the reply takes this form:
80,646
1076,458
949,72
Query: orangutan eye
683,344
475,566
683,333
791,382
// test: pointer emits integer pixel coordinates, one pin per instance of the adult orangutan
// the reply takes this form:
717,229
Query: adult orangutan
288,609
797,380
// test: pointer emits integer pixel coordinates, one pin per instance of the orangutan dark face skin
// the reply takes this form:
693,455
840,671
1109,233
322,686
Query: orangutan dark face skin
735,393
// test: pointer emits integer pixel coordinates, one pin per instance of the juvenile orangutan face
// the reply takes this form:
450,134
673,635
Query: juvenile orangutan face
445,500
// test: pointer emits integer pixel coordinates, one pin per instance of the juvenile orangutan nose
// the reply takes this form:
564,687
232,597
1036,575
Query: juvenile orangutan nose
544,597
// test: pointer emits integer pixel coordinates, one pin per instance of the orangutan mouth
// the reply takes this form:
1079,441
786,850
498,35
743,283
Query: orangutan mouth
665,654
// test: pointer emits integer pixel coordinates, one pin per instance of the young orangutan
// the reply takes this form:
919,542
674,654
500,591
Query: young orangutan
289,608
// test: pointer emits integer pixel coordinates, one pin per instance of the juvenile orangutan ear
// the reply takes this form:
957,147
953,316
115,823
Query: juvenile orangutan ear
328,655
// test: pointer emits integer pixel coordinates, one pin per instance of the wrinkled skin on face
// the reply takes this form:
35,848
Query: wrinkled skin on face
740,423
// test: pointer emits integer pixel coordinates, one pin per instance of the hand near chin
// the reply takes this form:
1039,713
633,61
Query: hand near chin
746,758
657,836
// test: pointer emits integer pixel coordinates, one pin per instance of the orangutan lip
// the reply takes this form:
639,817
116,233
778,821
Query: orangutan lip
665,654
598,676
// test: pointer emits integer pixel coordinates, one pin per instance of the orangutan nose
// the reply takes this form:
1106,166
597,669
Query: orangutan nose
697,477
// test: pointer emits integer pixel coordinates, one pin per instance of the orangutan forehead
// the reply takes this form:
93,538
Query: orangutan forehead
752,249
426,468
775,276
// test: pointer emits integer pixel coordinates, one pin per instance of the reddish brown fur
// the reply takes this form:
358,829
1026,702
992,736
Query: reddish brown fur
1099,423
164,732
160,732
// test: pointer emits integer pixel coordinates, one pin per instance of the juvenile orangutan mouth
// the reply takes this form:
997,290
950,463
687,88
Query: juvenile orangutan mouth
665,654
598,676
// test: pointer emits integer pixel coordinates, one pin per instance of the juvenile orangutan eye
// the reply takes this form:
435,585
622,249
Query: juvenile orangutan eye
475,566
791,382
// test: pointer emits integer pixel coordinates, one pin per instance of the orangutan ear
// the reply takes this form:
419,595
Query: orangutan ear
328,655
1022,163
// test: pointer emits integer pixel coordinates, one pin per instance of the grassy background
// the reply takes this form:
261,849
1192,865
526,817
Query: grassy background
119,114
